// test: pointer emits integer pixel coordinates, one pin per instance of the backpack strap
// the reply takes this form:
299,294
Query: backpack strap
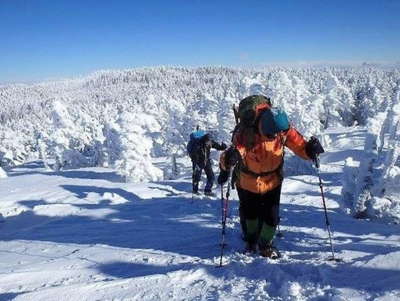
235,130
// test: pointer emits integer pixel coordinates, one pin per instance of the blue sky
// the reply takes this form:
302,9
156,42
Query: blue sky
42,39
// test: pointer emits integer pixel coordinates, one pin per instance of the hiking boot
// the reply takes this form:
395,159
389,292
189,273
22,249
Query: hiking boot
209,193
195,188
250,248
269,251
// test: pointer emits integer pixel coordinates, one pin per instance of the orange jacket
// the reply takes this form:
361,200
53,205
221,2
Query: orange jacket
266,156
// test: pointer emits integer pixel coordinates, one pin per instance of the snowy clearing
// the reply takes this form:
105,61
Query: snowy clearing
83,235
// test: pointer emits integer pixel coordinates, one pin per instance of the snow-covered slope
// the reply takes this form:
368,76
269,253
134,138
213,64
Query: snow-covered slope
84,235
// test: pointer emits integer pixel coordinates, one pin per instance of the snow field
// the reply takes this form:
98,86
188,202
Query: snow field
85,235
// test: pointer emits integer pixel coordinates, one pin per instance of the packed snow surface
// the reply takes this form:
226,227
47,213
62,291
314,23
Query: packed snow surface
2,173
84,235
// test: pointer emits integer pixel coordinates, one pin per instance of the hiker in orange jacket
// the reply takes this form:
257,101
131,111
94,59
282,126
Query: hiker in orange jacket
257,153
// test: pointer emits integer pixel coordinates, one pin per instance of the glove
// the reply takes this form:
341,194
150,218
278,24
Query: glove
314,148
223,176
232,156
223,146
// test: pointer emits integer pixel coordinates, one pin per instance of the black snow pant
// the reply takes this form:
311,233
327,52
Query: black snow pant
197,170
263,207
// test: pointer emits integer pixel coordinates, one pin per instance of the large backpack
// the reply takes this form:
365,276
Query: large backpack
194,141
247,114
251,107
196,147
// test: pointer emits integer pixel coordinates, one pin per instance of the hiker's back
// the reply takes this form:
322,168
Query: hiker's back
248,114
195,146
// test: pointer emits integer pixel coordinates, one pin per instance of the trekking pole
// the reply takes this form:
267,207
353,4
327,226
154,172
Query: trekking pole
224,208
279,234
192,185
328,225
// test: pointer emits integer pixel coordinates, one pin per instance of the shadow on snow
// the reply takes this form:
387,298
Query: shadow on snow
38,167
174,224
169,224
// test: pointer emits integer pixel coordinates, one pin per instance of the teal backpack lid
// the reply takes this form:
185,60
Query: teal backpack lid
198,134
274,121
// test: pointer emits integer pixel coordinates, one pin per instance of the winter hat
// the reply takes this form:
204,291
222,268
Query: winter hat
274,121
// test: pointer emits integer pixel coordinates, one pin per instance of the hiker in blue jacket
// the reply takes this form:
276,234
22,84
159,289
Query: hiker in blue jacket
198,148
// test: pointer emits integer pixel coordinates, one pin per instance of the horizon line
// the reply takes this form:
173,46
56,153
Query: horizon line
283,64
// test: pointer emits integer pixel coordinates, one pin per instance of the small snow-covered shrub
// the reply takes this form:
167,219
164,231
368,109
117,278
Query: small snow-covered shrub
349,177
386,206
171,170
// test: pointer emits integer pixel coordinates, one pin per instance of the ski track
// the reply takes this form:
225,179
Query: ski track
80,235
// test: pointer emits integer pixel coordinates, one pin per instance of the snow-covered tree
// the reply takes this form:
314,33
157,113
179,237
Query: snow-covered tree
65,143
134,161
178,99
338,103
373,189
